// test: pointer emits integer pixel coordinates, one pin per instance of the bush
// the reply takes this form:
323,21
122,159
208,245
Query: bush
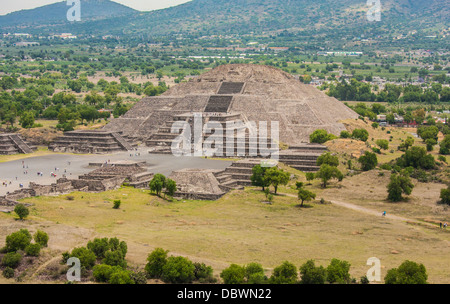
18,240
21,211
234,274
445,145
99,247
87,258
156,261
115,258
178,270
8,273
117,204
11,259
310,274
445,196
33,250
364,280
138,277
368,161
320,136
399,184
120,277
41,238
254,274
102,273
328,159
408,273
286,273
383,144
360,134
345,134
418,158
442,158
338,272
203,273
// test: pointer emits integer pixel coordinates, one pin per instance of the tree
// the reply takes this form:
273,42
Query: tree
41,238
115,258
158,183
430,142
383,144
234,274
445,145
254,274
407,273
427,132
121,277
417,158
27,120
445,196
338,272
320,136
87,258
286,273
33,250
257,177
368,161
310,274
276,177
11,259
361,134
18,240
327,172
155,263
178,270
399,184
21,211
171,187
117,204
310,176
203,273
305,195
409,141
328,159
99,247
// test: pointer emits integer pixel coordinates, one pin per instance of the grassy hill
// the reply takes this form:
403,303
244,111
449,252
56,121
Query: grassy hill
206,17
55,14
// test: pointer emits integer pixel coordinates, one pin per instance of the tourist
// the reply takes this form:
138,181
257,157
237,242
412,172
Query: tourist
384,213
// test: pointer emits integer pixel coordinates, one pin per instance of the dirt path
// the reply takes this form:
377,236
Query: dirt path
373,212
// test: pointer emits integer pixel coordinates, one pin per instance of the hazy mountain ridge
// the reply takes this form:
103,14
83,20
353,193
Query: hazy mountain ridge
246,16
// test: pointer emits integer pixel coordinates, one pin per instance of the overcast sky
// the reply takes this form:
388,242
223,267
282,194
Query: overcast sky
142,5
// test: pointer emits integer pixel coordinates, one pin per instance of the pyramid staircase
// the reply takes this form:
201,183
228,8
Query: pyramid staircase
14,144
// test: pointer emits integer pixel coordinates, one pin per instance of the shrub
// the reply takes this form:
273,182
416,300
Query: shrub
320,136
375,125
399,184
383,144
11,259
178,270
386,167
156,261
87,258
8,273
418,158
203,273
21,211
120,277
310,274
445,145
364,280
407,273
33,250
117,204
442,158
338,272
368,161
345,134
115,258
445,196
41,238
328,159
138,277
102,273
286,273
254,274
360,134
99,247
234,274
18,240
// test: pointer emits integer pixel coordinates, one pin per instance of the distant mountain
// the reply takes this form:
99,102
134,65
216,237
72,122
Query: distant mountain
56,14
207,17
